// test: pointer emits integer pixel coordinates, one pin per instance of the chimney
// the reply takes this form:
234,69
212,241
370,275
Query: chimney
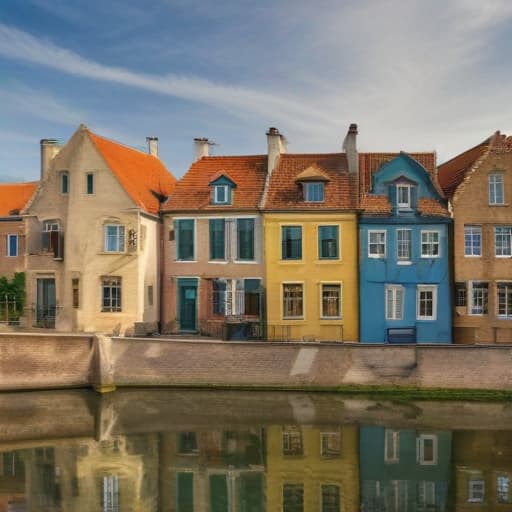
49,148
350,148
276,144
201,148
152,146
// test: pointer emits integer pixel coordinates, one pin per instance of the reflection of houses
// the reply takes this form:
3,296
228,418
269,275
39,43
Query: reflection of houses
214,471
312,469
213,252
93,236
12,483
483,470
404,470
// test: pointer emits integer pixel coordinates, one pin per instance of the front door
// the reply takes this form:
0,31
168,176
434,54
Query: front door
46,303
187,299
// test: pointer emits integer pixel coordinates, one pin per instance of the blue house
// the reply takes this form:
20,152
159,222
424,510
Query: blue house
404,288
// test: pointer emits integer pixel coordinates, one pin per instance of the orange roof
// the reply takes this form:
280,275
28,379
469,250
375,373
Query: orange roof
144,177
193,191
285,194
14,197
452,172
376,205
430,207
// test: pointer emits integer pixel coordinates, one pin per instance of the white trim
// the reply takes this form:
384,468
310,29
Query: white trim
509,245
216,189
372,255
395,458
303,284
420,449
403,206
340,299
426,287
394,288
502,182
471,491
8,248
469,298
473,226
404,261
105,238
432,256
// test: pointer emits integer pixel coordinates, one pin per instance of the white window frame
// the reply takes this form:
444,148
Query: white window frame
294,283
420,449
503,488
476,485
325,452
402,205
115,304
426,495
508,305
120,236
496,182
430,244
8,250
394,289
391,440
507,247
470,296
339,316
400,259
216,190
472,231
426,288
382,242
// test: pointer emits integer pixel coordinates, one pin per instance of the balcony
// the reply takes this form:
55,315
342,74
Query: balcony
53,242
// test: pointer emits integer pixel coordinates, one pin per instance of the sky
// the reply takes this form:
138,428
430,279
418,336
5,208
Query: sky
414,75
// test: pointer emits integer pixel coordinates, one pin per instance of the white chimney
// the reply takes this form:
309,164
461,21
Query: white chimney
152,146
49,148
350,148
276,144
201,148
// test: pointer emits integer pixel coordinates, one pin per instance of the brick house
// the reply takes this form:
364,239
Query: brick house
478,183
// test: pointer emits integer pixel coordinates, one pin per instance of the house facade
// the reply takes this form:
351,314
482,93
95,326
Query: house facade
93,236
478,183
310,225
213,255
404,251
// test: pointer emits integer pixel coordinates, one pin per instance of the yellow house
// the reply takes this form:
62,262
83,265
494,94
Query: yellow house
311,256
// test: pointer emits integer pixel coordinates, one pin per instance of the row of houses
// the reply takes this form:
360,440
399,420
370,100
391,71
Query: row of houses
344,246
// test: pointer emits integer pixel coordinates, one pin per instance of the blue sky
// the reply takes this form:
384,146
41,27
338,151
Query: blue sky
414,75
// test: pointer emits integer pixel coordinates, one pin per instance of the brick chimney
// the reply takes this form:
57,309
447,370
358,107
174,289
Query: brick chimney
152,146
49,148
276,144
201,148
350,148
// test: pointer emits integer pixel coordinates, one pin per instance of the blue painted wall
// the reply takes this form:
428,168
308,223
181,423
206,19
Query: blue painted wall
376,273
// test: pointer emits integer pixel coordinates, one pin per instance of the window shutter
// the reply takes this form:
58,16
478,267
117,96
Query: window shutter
398,303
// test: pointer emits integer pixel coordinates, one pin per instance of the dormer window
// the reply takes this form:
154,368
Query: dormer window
403,196
222,187
221,194
314,192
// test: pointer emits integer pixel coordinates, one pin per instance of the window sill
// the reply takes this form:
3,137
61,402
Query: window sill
185,261
328,260
249,262
430,257
374,257
221,262
406,263
472,255
432,319
326,319
114,252
499,204
292,318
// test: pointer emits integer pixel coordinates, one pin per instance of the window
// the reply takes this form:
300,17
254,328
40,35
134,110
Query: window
150,295
221,194
331,301
478,300
185,239
314,192
391,446
251,297
426,496
184,492
293,498
403,245
503,488
328,237
12,245
245,238
75,286
504,300
403,195
476,491
293,302
426,302
460,294
111,294
426,450
376,244
110,496
330,498
472,241
292,441
219,290
187,443
64,182
503,241
89,183
291,242
496,195
217,239
114,238
330,444
430,244
394,302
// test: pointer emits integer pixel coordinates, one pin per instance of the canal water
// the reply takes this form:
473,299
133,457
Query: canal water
228,451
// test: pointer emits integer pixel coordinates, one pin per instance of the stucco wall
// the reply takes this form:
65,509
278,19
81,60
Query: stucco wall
11,264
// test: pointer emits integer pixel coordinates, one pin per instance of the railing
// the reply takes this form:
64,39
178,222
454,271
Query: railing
45,316
53,241
9,313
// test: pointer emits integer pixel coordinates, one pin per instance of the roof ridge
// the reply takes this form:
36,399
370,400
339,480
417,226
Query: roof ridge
122,144
488,140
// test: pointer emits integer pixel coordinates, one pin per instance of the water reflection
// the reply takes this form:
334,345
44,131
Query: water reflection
194,451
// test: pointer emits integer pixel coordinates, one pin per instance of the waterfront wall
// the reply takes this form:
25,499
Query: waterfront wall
33,361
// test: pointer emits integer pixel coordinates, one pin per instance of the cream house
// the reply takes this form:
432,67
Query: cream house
93,236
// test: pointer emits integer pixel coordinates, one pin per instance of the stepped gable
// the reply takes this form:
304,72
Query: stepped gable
143,176
14,197
285,191
193,190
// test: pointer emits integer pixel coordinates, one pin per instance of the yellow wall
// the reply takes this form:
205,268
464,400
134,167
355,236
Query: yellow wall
312,272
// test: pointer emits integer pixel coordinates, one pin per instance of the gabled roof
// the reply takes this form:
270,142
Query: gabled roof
144,177
14,197
283,193
452,172
312,173
221,177
193,191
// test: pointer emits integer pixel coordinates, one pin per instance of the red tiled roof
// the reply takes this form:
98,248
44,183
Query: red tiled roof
285,194
14,197
452,172
144,177
194,193
430,207
376,205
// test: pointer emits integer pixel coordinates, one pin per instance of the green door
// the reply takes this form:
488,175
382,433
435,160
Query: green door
187,300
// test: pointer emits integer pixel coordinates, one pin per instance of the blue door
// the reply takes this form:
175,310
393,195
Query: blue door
187,303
